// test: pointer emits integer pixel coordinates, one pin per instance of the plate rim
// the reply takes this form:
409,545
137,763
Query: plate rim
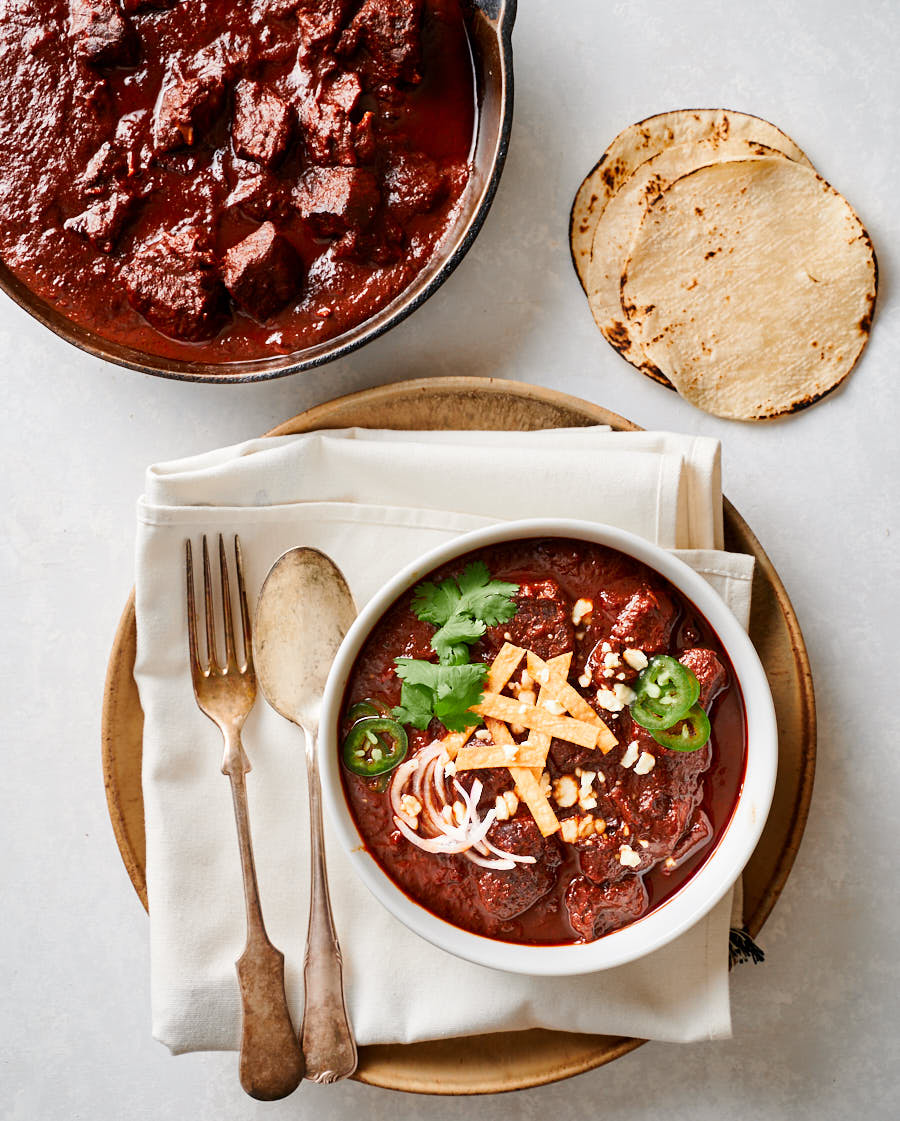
594,1050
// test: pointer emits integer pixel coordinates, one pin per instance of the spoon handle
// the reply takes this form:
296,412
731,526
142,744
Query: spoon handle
326,1037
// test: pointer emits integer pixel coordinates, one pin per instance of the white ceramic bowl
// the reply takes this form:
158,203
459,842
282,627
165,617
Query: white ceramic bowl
707,885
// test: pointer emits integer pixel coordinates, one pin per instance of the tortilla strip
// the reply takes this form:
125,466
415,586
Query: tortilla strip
561,662
503,667
558,688
478,755
538,720
528,786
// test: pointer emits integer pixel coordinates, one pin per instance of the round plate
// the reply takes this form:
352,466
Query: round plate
508,1060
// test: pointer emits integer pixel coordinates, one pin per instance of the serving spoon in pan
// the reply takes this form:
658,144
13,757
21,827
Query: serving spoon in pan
304,610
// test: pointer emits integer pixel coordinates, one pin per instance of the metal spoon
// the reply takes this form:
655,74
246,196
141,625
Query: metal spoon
304,610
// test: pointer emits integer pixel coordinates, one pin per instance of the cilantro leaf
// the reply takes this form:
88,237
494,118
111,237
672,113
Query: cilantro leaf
416,706
447,692
458,629
435,603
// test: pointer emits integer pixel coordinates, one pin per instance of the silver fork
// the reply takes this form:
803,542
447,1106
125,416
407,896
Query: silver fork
271,1062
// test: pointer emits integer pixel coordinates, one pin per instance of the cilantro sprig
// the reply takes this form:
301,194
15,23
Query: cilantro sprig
462,609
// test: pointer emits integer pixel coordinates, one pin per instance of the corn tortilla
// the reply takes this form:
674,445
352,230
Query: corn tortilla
751,284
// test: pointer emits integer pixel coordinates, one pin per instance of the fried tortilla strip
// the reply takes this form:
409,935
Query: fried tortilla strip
554,685
539,720
561,662
502,669
528,786
478,755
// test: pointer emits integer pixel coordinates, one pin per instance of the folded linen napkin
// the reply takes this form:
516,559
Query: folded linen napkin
374,501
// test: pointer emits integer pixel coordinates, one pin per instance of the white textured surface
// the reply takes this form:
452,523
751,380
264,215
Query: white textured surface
816,1027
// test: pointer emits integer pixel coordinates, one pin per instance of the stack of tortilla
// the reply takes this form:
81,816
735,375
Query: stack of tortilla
718,262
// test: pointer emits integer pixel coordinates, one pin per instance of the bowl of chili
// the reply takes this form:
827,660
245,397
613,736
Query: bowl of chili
548,747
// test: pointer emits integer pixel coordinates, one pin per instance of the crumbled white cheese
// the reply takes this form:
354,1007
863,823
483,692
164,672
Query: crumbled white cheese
510,750
631,754
637,659
644,844
587,779
543,675
545,782
605,648
670,863
624,693
565,791
410,805
527,679
449,768
645,764
511,800
611,660
553,706
507,636
581,610
587,801
568,830
607,699
585,680
483,734
628,857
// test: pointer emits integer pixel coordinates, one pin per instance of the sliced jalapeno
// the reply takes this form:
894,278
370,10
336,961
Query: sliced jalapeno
689,734
374,746
666,692
367,708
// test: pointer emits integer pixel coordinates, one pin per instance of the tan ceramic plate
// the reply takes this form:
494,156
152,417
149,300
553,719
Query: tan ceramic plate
515,1060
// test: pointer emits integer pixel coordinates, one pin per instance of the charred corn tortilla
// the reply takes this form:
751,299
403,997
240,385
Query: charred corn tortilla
641,141
618,224
751,284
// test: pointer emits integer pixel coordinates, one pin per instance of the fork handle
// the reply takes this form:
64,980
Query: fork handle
271,1061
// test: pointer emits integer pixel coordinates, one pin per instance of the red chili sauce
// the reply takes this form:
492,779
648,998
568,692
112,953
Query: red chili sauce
574,891
218,180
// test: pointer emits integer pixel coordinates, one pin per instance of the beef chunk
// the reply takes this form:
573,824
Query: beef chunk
390,32
697,835
542,622
263,272
187,108
330,135
101,34
708,670
508,893
261,129
120,157
319,21
102,222
260,194
414,184
646,621
599,858
594,911
173,282
335,199
565,756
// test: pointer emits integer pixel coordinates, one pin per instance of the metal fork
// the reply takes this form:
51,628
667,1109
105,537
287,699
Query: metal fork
271,1062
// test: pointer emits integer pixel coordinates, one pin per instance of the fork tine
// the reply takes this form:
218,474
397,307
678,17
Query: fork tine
230,662
245,614
210,618
191,611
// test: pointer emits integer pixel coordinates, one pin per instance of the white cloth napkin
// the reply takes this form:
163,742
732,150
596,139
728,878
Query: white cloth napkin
374,501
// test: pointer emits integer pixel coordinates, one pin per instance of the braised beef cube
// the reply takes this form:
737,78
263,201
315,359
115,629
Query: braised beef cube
542,622
494,781
414,184
259,194
118,158
390,31
708,670
335,199
509,893
328,133
174,283
102,36
263,272
261,129
646,621
566,756
186,110
698,834
319,21
103,221
384,244
344,90
599,857
595,910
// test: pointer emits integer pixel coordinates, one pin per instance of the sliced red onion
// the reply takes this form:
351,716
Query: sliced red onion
445,845
514,856
497,865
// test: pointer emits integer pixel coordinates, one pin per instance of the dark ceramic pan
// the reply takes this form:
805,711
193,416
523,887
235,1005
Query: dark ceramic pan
491,32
